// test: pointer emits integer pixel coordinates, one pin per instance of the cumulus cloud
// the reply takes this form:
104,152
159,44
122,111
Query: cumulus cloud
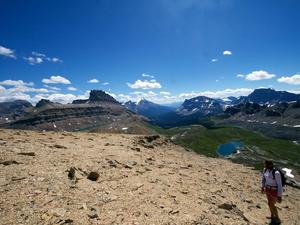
93,81
145,84
258,75
15,83
147,75
295,79
214,60
227,52
72,89
7,52
56,80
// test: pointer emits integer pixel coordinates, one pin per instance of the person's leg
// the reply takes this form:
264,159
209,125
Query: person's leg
274,211
270,204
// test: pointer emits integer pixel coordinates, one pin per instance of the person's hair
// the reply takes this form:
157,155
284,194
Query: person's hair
268,163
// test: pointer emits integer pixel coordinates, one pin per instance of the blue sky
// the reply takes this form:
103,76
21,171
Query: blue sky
162,50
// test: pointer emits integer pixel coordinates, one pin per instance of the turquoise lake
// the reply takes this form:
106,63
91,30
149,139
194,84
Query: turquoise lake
230,148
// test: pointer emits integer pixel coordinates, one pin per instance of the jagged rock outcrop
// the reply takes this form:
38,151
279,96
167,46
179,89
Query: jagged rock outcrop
96,96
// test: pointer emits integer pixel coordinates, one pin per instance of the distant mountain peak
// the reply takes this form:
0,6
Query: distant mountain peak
100,96
96,96
43,102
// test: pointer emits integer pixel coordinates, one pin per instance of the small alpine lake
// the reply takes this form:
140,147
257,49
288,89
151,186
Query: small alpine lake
230,148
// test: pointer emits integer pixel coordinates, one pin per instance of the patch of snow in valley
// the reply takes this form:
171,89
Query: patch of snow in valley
288,172
296,142
296,126
54,125
274,122
125,128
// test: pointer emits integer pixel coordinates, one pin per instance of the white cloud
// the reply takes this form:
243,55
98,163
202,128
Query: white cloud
147,75
240,76
23,89
227,52
145,84
72,89
4,97
295,79
56,80
7,52
259,75
15,83
52,88
38,58
55,59
165,93
105,83
218,94
62,98
93,81
38,54
34,60
294,91
214,60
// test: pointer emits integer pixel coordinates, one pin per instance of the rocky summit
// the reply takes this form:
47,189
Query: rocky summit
89,178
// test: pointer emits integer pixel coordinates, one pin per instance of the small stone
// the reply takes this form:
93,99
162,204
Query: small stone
174,211
93,176
71,175
93,213
9,162
130,164
27,153
112,163
227,206
59,146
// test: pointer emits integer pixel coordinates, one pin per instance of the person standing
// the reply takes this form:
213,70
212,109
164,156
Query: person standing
272,186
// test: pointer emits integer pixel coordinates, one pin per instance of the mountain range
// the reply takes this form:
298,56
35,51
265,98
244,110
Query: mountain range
102,111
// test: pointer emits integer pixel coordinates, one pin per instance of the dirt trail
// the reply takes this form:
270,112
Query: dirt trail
84,178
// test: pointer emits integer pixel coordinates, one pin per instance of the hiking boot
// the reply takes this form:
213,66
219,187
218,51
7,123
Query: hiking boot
275,221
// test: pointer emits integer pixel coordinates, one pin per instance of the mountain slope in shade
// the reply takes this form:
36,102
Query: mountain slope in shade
13,110
269,96
200,105
148,109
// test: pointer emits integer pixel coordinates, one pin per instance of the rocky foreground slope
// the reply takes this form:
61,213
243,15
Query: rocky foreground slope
85,178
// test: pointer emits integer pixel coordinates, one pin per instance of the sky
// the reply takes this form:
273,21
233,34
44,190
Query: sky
161,50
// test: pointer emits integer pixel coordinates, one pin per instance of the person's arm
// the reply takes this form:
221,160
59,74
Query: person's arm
263,181
279,184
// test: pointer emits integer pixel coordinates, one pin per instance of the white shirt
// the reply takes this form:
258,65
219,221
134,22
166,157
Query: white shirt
268,180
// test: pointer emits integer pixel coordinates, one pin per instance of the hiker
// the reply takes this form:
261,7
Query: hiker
272,186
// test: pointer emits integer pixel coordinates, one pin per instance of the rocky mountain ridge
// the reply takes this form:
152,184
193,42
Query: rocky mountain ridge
99,112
